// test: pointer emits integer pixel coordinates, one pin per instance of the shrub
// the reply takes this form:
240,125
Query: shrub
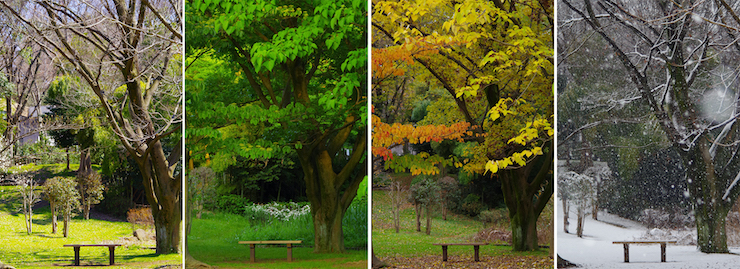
472,206
91,190
232,203
496,217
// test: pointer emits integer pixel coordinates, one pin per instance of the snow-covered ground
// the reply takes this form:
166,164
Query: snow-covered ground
595,249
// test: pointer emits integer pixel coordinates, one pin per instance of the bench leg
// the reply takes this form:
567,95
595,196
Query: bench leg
444,253
251,252
290,253
77,256
662,252
475,248
626,252
112,254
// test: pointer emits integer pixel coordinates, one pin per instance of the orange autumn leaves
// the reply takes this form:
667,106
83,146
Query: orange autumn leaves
386,136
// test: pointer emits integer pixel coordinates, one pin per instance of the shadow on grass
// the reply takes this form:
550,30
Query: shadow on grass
93,258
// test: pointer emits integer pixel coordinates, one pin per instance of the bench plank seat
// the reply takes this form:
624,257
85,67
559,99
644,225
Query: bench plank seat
661,242
288,243
476,247
111,251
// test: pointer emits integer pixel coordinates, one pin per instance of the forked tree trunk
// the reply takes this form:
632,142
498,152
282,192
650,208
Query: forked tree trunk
163,192
325,188
525,201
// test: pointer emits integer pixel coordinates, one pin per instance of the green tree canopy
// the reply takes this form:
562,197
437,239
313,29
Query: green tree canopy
299,86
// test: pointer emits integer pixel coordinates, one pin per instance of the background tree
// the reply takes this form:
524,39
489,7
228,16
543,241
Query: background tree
398,196
54,191
62,194
135,44
424,192
672,56
27,72
27,188
91,190
581,190
303,67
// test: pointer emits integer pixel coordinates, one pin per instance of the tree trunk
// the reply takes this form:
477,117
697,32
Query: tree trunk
525,201
86,208
327,222
709,208
85,162
524,230
417,209
325,188
565,215
67,150
53,217
67,213
595,208
429,219
579,228
163,191
28,216
167,221
396,220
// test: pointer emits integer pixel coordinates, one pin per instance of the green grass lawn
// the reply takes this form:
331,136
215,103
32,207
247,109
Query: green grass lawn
408,244
214,240
42,249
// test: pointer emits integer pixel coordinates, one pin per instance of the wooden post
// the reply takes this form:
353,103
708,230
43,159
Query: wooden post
662,252
111,253
476,247
290,252
444,253
251,252
626,252
77,256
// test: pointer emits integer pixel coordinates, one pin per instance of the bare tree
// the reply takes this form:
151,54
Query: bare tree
680,58
26,70
128,52
27,188
398,196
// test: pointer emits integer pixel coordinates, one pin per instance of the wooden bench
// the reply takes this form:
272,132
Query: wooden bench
627,247
252,244
111,251
475,245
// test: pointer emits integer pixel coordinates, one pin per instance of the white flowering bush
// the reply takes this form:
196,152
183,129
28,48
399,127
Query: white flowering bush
279,211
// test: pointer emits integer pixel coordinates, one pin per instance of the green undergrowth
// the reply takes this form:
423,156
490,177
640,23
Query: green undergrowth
214,240
42,249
